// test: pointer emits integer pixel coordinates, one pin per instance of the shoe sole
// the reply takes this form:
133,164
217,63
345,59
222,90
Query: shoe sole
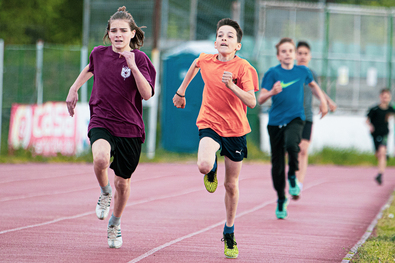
208,188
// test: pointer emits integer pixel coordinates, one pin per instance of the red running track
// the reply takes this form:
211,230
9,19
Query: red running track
47,215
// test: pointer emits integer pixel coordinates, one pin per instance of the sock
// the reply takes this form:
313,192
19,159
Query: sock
229,230
300,186
215,165
114,221
106,189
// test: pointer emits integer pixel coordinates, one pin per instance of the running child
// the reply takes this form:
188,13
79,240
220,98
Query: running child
378,125
123,77
284,85
230,83
303,57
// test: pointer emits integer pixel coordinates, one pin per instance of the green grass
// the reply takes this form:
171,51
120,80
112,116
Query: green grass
380,246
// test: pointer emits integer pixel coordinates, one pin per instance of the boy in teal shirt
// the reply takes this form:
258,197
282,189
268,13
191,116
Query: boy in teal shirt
284,85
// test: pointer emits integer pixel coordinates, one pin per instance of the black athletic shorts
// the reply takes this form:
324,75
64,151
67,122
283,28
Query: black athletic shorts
379,140
235,148
306,133
126,151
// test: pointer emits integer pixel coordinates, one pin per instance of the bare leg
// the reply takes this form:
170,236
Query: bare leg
101,160
121,195
206,154
381,155
232,172
303,159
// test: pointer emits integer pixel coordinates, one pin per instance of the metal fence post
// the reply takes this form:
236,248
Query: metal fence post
1,83
39,71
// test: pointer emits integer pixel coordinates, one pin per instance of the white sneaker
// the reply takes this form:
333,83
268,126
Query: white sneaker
103,206
114,236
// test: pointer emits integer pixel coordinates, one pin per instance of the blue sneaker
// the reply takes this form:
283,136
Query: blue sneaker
294,189
281,210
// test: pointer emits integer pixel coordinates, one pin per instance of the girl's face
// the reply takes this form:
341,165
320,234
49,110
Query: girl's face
120,35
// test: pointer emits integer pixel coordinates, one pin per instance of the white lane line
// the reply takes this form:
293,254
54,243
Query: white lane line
152,251
43,194
368,232
66,192
93,212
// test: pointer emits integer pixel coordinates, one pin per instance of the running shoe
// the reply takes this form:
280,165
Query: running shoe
378,179
231,250
210,179
281,210
103,206
114,236
294,188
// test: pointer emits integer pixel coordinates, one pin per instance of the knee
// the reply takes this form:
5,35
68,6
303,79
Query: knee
231,188
292,148
204,167
303,152
122,185
101,161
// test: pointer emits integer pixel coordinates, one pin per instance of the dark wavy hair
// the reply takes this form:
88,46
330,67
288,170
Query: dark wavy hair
138,41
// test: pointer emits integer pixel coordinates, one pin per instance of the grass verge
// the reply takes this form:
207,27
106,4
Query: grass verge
380,246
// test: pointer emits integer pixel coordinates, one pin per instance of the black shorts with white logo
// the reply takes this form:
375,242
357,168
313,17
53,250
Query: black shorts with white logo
126,151
235,148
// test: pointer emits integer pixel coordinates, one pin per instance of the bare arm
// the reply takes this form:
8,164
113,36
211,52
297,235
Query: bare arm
72,97
178,101
331,104
315,89
265,94
371,127
142,84
247,97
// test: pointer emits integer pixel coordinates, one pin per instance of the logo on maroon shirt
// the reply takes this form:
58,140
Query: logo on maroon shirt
125,72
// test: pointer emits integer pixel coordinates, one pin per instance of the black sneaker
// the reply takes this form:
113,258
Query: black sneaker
378,179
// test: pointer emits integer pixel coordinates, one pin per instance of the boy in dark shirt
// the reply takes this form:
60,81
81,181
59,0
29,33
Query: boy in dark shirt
378,124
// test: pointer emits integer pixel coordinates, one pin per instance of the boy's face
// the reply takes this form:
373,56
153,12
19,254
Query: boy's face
226,41
385,97
286,53
303,56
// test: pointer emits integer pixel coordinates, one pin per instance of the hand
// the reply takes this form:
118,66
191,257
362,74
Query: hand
179,102
227,79
323,109
277,88
71,101
332,106
130,59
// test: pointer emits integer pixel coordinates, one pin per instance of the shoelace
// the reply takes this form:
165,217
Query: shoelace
104,201
228,238
113,232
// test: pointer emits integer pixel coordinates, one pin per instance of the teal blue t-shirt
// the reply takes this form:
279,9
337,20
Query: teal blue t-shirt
288,104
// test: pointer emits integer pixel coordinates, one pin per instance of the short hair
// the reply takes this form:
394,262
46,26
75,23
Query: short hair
284,40
232,23
303,44
384,90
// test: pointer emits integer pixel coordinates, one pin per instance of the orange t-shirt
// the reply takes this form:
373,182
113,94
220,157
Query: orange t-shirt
221,109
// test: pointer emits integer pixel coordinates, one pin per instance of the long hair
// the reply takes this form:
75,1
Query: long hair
138,41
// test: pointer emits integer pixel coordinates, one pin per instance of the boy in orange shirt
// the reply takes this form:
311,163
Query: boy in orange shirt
230,83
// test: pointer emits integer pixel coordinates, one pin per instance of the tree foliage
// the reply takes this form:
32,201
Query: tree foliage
54,21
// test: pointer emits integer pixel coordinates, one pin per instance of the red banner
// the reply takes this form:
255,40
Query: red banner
48,129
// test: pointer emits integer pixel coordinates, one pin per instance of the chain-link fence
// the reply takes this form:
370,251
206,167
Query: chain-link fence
352,46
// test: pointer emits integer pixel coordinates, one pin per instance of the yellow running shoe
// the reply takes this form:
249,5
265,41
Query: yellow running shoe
231,250
211,181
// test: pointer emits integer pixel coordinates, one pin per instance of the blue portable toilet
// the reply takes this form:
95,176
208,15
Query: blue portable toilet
179,130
